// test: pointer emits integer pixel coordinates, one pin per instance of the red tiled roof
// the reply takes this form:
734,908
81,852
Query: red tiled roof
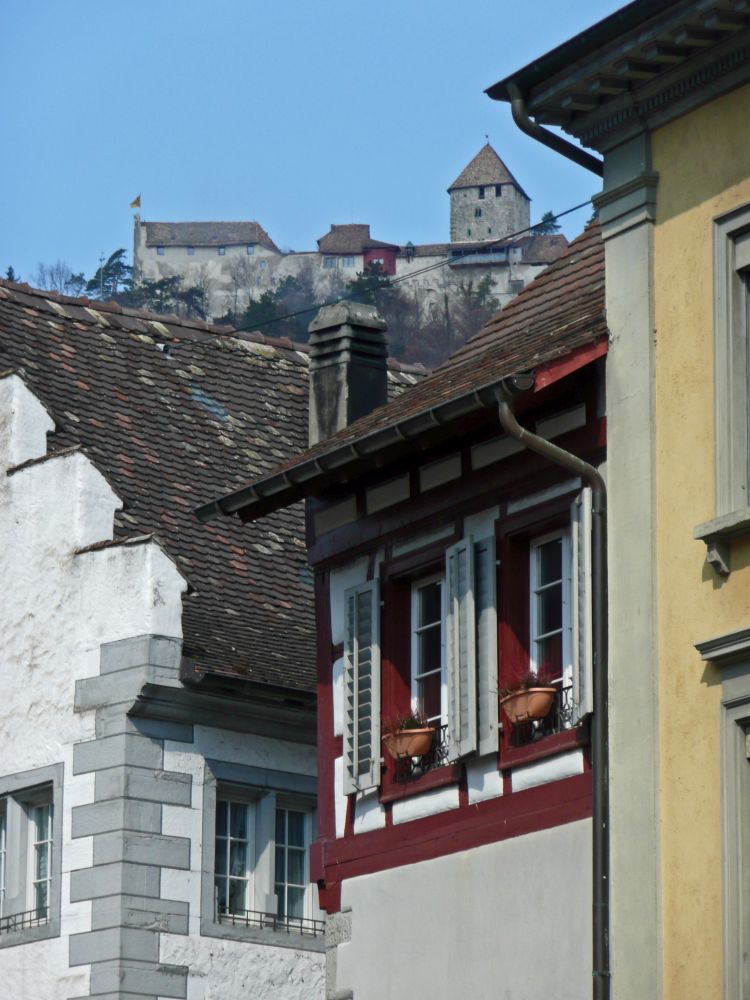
560,310
351,238
170,428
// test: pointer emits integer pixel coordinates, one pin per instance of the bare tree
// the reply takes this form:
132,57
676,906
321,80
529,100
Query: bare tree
58,277
241,280
202,280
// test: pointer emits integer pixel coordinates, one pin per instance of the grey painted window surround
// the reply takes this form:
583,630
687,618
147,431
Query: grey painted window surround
731,356
19,790
731,653
260,786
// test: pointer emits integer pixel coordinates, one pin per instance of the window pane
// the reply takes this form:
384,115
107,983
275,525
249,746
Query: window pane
280,864
237,857
429,652
549,657
237,895
429,604
428,695
238,820
549,563
296,829
40,892
296,861
221,894
295,902
281,826
221,818
549,609
221,856
42,861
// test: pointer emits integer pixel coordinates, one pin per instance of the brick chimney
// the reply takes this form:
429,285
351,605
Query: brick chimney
348,366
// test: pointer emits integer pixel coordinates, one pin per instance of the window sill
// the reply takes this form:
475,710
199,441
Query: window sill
550,746
25,935
718,533
279,937
393,790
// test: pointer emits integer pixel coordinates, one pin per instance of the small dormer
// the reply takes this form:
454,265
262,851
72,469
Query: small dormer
487,202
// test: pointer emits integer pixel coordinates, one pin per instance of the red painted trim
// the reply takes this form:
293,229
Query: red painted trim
533,809
441,776
553,371
550,746
326,742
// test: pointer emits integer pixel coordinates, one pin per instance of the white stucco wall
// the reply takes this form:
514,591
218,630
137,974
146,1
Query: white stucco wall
56,608
492,923
222,969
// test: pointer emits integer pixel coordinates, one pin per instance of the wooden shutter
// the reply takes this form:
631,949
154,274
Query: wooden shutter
362,688
461,648
583,690
485,609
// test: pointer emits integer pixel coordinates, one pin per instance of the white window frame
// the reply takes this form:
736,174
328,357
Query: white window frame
417,585
20,795
240,798
330,263
566,679
262,790
3,852
348,262
290,805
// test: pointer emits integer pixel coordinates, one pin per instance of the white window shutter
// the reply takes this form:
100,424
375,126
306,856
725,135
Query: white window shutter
583,686
362,688
461,648
485,608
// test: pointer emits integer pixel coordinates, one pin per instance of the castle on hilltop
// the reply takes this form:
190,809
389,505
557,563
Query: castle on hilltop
234,261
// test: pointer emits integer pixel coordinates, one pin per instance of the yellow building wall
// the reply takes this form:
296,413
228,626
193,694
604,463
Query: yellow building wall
703,161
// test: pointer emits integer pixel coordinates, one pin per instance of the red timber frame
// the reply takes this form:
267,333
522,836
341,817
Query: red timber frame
515,812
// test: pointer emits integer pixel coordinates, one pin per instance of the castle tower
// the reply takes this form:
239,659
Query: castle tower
487,202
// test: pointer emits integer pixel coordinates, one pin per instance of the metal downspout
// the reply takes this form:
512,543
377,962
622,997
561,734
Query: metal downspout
600,722
556,142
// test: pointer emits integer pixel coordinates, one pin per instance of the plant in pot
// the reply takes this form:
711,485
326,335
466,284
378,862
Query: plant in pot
408,734
528,699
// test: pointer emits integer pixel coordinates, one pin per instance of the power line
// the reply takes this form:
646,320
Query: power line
483,244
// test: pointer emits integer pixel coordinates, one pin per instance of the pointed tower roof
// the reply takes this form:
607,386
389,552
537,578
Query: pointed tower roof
486,168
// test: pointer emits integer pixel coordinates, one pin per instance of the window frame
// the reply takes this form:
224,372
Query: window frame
566,617
262,789
237,796
20,793
190,251
249,249
732,360
417,583
221,251
160,251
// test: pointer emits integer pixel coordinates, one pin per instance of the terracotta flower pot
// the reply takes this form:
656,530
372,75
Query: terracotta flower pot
409,742
531,703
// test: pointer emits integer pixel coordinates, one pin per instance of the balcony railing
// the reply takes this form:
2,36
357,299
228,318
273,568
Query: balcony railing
408,768
257,918
20,921
560,718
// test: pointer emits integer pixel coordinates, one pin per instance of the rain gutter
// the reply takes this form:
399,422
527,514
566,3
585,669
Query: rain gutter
556,142
511,387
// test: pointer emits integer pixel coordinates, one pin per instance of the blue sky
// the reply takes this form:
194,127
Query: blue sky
293,113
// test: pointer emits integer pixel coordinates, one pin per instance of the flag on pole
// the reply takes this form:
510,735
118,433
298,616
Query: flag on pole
136,202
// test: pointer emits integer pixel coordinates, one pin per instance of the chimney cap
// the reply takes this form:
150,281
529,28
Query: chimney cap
347,313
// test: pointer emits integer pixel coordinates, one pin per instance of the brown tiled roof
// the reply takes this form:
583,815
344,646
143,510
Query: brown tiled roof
351,238
170,428
485,168
206,234
560,310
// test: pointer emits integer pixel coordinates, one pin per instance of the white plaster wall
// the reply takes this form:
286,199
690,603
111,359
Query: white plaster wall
230,970
56,608
508,921
237,970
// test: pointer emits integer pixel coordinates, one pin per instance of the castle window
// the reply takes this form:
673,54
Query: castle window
160,251
348,262
250,250
498,190
190,251
263,265
477,213
468,232
222,251
481,192
329,262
